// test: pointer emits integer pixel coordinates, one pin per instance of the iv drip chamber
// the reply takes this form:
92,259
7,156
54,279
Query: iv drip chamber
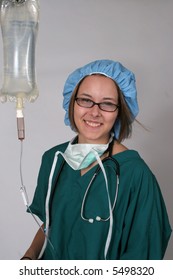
19,25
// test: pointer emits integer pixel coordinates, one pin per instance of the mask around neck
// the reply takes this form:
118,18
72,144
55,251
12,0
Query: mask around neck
80,156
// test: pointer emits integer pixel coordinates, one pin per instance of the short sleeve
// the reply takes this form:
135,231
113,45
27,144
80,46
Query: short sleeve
147,229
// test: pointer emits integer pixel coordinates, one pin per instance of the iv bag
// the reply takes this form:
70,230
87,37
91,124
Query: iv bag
19,24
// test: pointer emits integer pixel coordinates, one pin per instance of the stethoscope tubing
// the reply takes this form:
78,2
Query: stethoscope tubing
117,171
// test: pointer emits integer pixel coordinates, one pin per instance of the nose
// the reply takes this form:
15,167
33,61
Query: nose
95,111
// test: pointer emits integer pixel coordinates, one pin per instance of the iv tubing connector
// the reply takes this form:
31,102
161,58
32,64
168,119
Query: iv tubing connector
20,119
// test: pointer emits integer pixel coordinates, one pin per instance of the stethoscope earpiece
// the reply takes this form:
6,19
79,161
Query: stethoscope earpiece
91,221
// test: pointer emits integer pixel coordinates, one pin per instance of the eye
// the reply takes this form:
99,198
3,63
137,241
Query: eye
107,104
84,102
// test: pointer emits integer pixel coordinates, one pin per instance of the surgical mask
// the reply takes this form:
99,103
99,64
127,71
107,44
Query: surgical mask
80,156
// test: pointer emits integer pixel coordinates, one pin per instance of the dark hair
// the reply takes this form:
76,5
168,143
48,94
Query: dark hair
125,118
124,114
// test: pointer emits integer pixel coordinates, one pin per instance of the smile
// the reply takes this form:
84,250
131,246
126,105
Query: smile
93,124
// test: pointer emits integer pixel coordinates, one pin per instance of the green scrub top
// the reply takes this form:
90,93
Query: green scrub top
141,228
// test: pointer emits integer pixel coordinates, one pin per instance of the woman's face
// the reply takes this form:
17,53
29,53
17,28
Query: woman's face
93,124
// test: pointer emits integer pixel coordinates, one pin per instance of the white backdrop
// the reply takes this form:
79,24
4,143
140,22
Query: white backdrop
139,34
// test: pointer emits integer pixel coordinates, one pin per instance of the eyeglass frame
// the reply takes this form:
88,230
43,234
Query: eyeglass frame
95,103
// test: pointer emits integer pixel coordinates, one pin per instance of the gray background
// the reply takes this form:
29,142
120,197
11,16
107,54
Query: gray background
72,33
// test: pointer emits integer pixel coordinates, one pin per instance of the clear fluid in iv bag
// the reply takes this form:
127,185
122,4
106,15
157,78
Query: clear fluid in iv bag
19,25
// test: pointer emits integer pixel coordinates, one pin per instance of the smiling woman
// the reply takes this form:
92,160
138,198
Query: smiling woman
109,104
97,199
92,121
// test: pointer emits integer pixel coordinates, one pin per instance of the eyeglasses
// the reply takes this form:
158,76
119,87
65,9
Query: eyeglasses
104,106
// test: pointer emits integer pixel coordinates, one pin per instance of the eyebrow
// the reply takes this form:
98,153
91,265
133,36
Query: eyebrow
90,96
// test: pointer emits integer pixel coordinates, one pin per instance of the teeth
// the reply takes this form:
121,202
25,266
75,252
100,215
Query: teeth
93,124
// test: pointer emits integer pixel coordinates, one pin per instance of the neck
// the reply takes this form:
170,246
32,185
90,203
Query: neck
81,140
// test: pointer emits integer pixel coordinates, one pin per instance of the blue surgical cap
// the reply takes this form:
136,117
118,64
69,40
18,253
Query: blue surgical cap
123,77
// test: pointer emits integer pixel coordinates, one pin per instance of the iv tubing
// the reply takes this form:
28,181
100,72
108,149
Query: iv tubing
26,201
23,189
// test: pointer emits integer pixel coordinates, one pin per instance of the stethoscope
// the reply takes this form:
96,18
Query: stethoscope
111,207
117,171
51,189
